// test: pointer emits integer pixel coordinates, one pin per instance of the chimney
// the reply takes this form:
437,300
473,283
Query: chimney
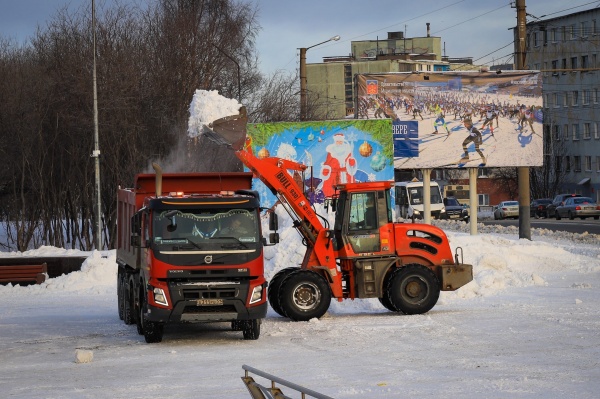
428,35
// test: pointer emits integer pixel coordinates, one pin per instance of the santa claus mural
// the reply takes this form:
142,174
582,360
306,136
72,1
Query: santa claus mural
339,166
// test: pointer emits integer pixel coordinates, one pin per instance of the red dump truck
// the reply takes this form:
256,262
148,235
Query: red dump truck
178,258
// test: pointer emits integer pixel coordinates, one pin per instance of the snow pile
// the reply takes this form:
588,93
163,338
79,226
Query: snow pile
206,107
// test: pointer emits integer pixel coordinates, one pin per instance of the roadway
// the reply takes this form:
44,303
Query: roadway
588,225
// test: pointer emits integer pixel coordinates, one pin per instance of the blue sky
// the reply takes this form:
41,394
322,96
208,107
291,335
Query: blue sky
468,28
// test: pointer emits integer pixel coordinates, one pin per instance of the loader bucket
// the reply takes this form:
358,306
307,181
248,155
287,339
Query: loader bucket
230,130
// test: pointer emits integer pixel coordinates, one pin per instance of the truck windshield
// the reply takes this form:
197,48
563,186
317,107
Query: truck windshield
205,229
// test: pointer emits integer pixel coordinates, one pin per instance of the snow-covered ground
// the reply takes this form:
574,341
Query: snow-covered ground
526,327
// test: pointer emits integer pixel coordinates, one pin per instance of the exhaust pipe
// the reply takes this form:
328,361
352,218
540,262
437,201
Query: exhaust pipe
158,178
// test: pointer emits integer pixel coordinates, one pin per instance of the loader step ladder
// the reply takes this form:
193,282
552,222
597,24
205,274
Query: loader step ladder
258,391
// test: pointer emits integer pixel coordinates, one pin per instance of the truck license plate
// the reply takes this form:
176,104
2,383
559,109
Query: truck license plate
209,302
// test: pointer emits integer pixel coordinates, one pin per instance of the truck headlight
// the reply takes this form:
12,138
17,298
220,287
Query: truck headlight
160,297
416,212
257,294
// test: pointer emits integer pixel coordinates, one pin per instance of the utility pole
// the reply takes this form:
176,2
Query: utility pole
303,82
96,153
523,172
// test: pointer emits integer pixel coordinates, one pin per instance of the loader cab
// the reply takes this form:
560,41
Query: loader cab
361,220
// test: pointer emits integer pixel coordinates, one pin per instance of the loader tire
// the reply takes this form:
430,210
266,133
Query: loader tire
273,289
413,289
304,295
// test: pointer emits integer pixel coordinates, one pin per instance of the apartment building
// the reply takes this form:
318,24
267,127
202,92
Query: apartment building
566,50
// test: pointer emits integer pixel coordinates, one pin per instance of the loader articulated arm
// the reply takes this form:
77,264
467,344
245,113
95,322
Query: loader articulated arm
273,172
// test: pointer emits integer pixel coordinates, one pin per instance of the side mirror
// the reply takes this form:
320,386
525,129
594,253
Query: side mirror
136,241
273,222
274,238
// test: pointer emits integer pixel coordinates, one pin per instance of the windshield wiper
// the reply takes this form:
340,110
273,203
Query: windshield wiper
239,243
195,244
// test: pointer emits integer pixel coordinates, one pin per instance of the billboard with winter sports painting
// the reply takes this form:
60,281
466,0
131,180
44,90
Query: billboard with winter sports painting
336,152
457,119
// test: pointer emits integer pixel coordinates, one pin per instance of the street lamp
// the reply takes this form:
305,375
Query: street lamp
303,103
96,152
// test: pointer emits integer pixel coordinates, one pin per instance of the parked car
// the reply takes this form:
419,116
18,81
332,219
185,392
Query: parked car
455,210
506,209
537,208
558,200
581,207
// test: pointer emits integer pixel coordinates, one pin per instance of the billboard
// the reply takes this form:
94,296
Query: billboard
336,152
457,119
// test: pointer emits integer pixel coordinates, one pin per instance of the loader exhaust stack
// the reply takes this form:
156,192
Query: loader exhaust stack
158,179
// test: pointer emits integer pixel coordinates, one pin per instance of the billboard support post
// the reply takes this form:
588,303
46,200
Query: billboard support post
426,195
473,203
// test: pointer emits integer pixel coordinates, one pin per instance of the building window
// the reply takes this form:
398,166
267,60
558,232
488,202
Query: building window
577,163
557,163
565,96
595,129
555,100
587,95
563,64
573,62
482,172
537,38
594,60
575,128
584,62
483,199
571,32
597,163
556,132
594,27
595,95
585,28
575,98
567,164
566,132
554,35
588,163
587,134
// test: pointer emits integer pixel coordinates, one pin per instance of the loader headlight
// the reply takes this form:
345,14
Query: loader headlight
160,297
257,294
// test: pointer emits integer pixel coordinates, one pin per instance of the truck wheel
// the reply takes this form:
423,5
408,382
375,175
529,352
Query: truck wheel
140,309
252,329
237,325
273,289
128,309
304,295
152,331
413,289
120,302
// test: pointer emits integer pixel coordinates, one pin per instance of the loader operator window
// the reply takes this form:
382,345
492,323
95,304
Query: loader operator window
363,224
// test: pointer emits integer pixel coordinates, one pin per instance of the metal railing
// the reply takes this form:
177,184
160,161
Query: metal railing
259,391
